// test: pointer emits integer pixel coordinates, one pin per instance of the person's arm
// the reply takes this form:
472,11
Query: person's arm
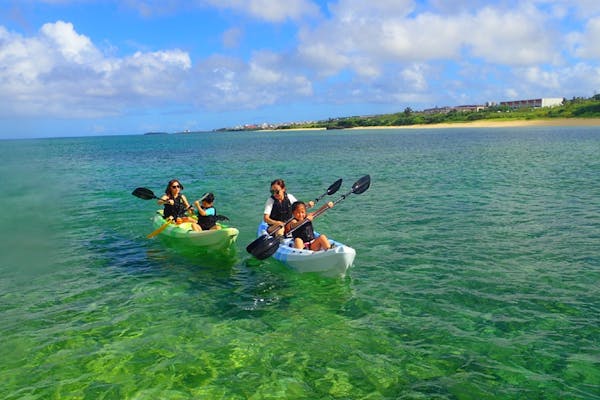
267,213
199,208
188,208
164,199
271,221
291,225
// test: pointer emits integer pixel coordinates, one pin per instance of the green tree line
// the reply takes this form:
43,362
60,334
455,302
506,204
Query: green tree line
577,107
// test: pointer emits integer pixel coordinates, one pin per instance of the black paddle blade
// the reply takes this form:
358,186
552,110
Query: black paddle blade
361,185
144,193
334,187
263,247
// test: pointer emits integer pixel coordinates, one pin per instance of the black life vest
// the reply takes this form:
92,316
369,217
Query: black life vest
176,210
282,210
207,221
304,232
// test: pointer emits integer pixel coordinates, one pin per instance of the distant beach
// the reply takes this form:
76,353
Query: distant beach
498,124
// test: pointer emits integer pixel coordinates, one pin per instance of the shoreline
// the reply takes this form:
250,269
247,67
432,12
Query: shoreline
496,124
489,123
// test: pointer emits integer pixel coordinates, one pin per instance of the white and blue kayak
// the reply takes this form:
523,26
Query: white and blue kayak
332,262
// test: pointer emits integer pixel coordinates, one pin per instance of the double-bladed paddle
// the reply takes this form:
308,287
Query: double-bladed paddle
265,246
334,187
147,194
144,193
162,228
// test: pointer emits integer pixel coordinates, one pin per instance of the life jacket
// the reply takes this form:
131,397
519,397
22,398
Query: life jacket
176,210
304,232
282,210
207,221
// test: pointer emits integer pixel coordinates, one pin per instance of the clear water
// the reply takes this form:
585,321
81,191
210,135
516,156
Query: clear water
476,276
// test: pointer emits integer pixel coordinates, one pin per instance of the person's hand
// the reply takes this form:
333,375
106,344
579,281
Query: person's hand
311,204
330,204
310,216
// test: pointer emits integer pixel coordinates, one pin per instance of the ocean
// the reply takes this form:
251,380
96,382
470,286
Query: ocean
477,273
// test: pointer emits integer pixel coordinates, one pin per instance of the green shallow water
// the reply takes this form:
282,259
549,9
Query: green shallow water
476,276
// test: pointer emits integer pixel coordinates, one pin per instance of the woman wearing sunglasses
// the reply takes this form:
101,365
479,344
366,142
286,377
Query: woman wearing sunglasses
278,208
176,205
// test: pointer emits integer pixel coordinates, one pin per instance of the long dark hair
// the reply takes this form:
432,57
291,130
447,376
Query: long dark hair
168,189
279,182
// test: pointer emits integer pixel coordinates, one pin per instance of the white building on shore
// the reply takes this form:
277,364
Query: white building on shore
534,103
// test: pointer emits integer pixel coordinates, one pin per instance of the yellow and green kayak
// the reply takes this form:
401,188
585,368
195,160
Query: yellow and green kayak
183,234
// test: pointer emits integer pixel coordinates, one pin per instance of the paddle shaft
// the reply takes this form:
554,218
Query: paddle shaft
162,228
266,245
359,187
320,211
330,190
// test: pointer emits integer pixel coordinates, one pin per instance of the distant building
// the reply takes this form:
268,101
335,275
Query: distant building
446,110
533,103
470,107
437,110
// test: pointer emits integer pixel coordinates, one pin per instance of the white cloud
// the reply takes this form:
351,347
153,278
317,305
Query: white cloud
232,37
269,10
586,44
520,37
223,83
61,73
73,47
541,78
382,34
387,51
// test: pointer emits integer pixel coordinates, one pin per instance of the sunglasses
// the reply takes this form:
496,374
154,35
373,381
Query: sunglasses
275,191
175,187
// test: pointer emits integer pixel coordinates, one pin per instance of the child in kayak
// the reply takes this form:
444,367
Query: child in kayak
207,215
278,207
304,235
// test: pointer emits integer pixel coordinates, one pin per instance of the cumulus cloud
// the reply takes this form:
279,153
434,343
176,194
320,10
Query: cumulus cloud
268,10
232,37
224,82
586,43
61,72
518,37
387,51
386,33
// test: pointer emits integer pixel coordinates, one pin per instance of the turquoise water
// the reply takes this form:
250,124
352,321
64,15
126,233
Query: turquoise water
476,276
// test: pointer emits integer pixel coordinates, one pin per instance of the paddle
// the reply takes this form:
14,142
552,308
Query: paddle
162,228
335,186
144,193
147,194
265,246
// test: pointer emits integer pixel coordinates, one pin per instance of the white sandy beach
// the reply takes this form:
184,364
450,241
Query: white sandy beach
499,124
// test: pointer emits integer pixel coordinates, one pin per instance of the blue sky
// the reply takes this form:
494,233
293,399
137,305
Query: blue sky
104,67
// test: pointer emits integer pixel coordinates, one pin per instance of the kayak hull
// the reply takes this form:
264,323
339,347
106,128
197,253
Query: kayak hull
183,234
332,262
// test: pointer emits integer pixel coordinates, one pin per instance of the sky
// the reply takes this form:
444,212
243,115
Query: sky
114,67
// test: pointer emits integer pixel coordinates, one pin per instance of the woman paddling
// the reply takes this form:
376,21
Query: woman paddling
175,203
278,208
